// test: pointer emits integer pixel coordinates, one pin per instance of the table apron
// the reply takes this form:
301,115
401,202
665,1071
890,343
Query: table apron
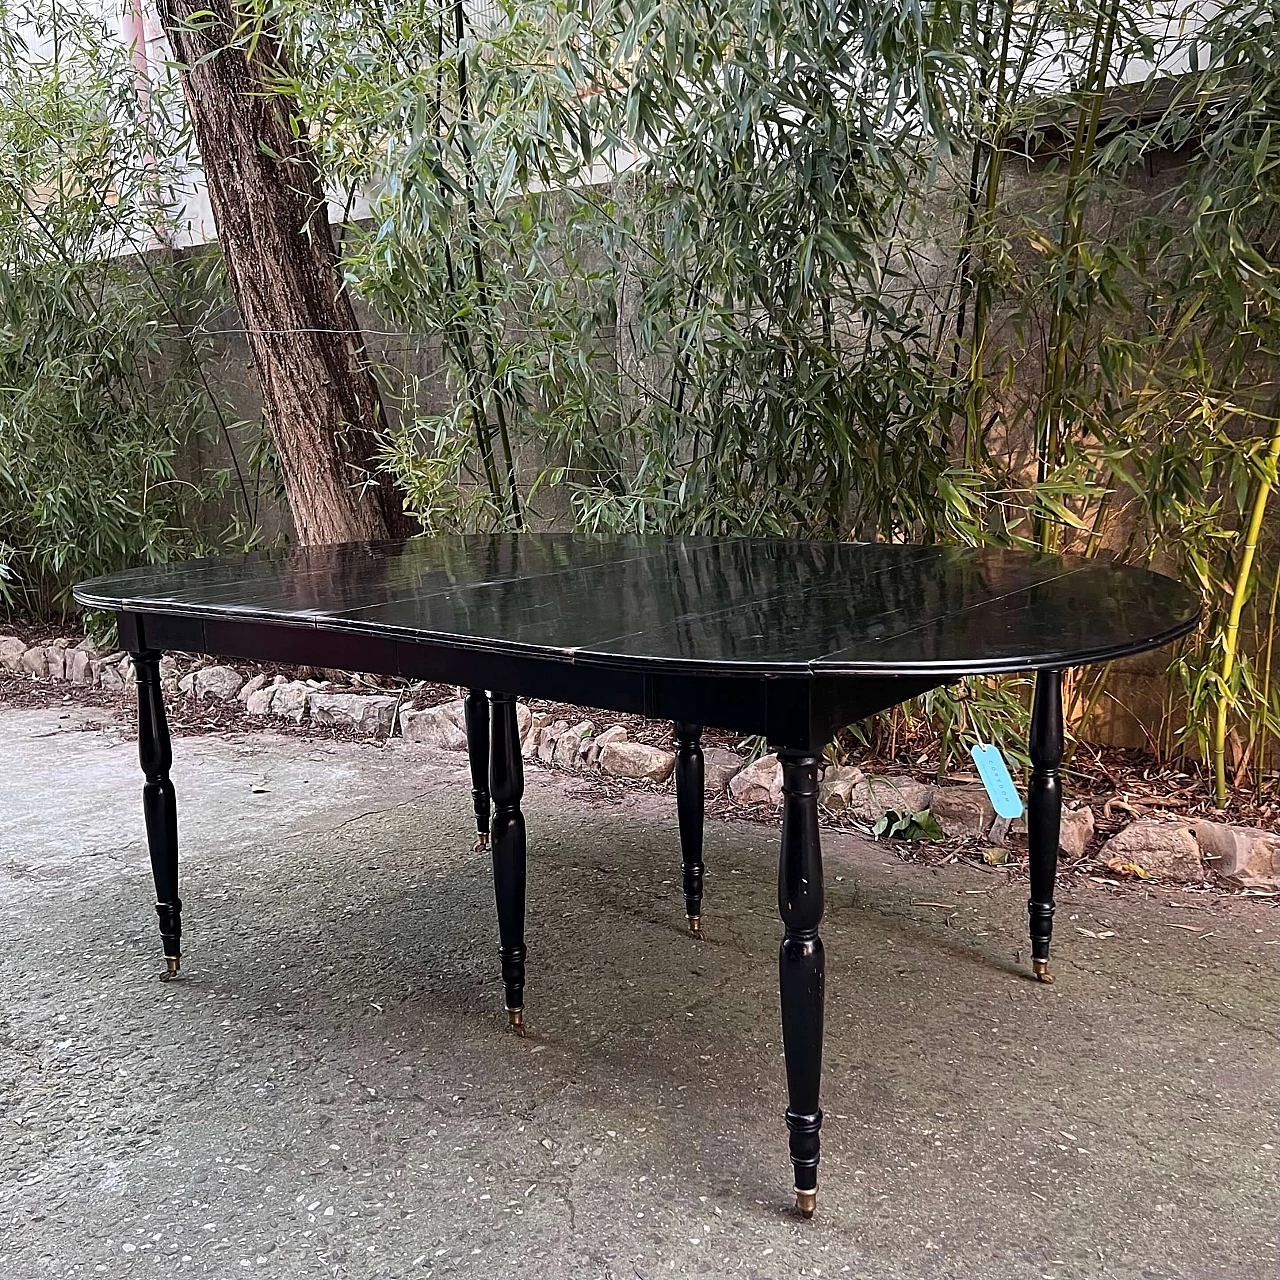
800,711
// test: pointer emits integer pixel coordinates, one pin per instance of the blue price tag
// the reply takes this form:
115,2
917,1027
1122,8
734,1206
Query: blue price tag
995,777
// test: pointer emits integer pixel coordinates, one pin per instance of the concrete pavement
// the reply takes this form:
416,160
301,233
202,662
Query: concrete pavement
330,1090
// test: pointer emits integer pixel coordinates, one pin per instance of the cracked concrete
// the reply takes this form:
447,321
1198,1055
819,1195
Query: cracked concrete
330,1089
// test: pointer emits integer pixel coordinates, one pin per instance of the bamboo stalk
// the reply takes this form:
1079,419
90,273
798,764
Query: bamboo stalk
1075,201
973,434
1239,591
1266,676
486,308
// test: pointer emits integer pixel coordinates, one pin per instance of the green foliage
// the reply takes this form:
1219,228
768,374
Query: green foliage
1128,336
776,384
465,136
695,343
884,271
787,268
921,825
96,395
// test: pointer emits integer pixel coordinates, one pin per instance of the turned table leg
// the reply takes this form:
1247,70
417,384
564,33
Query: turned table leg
476,715
801,966
689,810
1044,814
159,806
506,784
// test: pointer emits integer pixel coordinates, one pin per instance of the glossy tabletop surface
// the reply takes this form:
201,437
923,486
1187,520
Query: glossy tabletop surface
699,604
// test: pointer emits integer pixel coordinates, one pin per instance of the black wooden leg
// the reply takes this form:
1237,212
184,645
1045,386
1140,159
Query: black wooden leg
1044,814
801,966
159,806
476,714
506,783
689,808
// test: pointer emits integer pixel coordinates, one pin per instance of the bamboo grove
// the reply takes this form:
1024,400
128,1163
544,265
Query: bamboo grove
994,272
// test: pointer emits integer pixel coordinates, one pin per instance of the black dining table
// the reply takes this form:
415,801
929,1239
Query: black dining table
787,640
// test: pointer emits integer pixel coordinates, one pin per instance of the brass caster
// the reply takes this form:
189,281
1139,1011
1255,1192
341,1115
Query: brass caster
806,1202
516,1018
171,966
482,841
695,927
1041,969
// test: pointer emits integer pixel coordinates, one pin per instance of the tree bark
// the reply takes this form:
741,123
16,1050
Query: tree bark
321,401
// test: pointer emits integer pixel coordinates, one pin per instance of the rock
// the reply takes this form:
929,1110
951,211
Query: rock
836,787
335,675
258,703
1244,854
11,651
34,661
550,736
569,744
56,659
1166,850
538,720
187,684
363,712
636,760
524,717
290,701
871,798
719,767
433,727
60,643
112,672
252,685
456,711
87,646
1076,833
262,700
216,682
79,667
963,811
759,783
106,675
589,751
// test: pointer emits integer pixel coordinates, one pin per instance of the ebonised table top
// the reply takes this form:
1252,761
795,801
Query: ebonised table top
695,604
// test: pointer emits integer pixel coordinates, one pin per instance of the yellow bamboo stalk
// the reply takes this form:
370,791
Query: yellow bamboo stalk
1232,635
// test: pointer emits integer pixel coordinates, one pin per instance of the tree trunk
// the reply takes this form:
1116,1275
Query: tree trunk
321,401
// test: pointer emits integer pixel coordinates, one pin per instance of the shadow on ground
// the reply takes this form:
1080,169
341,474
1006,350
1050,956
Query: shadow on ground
331,1090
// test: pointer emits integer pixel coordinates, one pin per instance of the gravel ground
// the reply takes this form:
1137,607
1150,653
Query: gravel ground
330,1089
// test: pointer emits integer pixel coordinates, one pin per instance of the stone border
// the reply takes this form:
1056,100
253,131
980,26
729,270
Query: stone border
1183,852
